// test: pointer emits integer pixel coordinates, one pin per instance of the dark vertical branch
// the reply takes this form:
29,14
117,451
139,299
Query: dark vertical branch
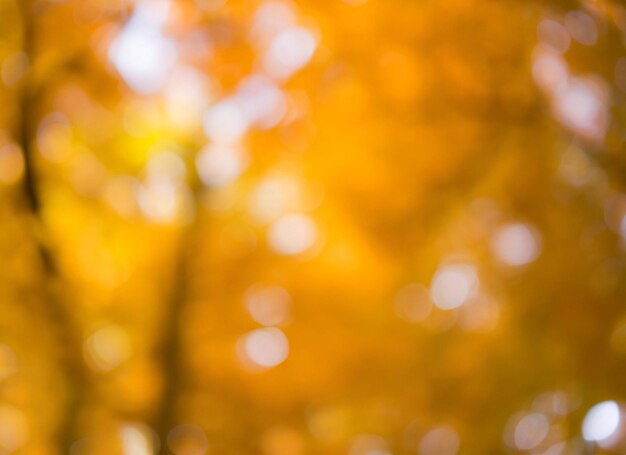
26,107
170,348
54,307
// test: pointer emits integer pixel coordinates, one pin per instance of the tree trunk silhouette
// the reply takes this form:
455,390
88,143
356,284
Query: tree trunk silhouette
170,347
50,284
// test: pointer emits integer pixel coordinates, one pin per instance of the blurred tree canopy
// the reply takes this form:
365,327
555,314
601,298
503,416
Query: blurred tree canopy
363,227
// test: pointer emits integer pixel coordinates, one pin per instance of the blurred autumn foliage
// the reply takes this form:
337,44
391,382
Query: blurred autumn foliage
362,227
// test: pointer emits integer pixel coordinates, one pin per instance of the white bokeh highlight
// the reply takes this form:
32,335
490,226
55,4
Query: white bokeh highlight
268,305
531,430
453,285
293,234
219,165
290,50
264,348
601,422
141,53
516,244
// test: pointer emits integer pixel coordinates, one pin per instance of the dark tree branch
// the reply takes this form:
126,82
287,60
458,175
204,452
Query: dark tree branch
50,284
170,348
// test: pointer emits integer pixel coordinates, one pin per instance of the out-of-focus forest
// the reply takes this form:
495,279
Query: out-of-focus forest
361,227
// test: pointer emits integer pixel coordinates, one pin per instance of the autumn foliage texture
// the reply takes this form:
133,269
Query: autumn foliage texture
362,227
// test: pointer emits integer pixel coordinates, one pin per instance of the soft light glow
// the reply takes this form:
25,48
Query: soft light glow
556,449
440,441
158,200
553,34
262,102
268,305
281,193
271,18
516,244
412,303
369,444
186,97
136,440
453,285
530,431
479,315
141,53
272,198
225,122
267,347
601,421
210,5
622,227
581,107
562,403
8,362
549,69
289,51
167,165
187,439
579,103
582,27
107,348
292,234
219,165
14,432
